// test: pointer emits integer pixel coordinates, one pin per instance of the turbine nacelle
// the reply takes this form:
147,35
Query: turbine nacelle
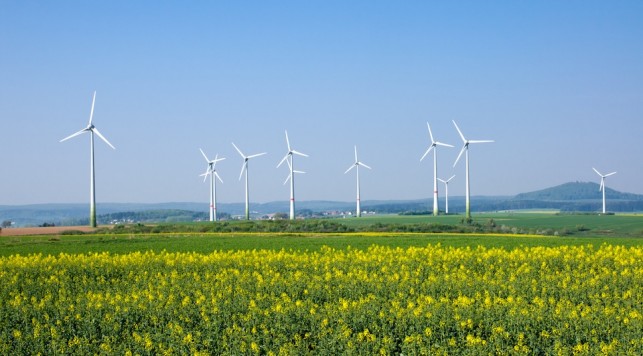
446,181
603,176
434,143
290,153
357,163
465,143
244,165
90,127
211,166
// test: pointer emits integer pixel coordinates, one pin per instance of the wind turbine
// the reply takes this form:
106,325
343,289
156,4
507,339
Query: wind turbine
289,158
434,146
356,166
92,181
446,192
465,149
244,168
212,172
602,187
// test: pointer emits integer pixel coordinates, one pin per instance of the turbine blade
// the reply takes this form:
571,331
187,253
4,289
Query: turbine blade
74,135
91,113
205,175
426,153
481,141
257,155
442,180
356,159
287,179
217,175
288,141
460,132
103,138
453,176
349,168
609,174
363,165
460,155
243,168
301,172
602,186
430,133
204,156
443,144
299,153
238,150
283,159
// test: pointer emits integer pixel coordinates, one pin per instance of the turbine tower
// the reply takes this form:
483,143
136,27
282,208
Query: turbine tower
244,168
465,149
212,172
356,166
289,157
446,192
602,187
92,181
434,146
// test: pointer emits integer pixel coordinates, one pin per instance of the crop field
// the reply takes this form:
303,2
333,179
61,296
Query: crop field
620,225
379,300
328,293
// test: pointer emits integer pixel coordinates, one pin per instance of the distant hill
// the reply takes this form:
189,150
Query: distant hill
575,191
574,196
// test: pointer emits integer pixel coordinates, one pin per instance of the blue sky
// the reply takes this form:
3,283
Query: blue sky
557,84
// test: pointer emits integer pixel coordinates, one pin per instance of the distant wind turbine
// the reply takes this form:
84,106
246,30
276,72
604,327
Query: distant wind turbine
465,149
602,187
434,146
356,166
92,181
212,172
244,168
289,157
446,192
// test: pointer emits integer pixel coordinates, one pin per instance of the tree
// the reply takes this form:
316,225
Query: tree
280,216
6,223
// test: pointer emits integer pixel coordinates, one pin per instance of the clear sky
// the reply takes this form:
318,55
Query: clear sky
557,84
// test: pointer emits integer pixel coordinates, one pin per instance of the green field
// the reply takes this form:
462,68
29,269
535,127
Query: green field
621,225
367,291
536,229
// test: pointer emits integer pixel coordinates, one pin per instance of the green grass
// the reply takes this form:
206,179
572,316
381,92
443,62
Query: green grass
620,225
205,243
572,230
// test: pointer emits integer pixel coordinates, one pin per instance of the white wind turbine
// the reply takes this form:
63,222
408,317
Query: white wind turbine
356,166
446,192
92,181
212,172
602,187
244,168
434,146
465,149
289,157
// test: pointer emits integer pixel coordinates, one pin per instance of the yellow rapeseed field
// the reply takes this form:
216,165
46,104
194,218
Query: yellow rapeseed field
383,300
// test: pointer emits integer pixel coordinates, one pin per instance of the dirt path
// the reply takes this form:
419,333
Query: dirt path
53,230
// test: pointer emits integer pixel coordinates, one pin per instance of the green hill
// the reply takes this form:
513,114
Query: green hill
575,191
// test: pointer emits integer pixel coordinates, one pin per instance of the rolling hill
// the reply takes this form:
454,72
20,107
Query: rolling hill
575,191
573,196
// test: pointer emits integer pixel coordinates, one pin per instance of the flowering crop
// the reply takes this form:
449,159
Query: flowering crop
428,300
